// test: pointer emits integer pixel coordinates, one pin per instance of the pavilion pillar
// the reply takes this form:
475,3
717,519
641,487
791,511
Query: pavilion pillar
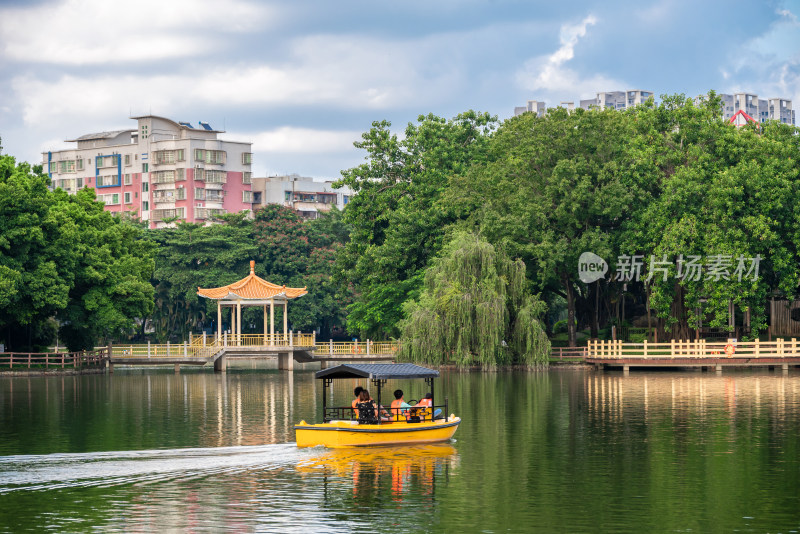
272,318
238,323
233,325
219,320
285,320
265,327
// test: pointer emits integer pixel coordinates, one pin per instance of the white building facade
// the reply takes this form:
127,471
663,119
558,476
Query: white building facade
161,172
308,197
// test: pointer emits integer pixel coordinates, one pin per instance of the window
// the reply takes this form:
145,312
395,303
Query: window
216,157
199,155
107,161
180,174
163,156
144,131
215,177
128,179
109,200
163,177
247,158
287,196
66,166
145,187
179,155
127,160
79,164
79,183
247,177
127,198
198,173
145,205
199,194
107,180
247,196
345,199
53,167
145,167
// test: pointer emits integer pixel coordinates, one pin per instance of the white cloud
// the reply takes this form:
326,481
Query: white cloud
549,74
769,64
288,139
357,73
79,32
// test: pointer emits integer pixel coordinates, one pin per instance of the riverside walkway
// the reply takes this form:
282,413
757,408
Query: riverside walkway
295,347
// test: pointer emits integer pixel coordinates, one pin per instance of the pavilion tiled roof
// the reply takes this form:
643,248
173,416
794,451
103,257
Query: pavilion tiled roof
251,287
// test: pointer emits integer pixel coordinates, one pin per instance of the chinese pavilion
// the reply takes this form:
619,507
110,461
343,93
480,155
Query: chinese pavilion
252,291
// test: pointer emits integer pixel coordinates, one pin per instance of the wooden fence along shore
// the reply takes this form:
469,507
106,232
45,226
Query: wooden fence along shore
54,360
688,349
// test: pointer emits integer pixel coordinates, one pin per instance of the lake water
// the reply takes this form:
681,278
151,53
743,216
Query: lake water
555,451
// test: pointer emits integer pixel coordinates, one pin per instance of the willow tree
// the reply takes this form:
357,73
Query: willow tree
474,309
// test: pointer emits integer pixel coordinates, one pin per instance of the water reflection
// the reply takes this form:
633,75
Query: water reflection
394,470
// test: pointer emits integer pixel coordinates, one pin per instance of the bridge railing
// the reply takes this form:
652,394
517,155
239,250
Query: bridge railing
349,348
679,348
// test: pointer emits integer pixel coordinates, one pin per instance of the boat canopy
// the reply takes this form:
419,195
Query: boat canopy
377,371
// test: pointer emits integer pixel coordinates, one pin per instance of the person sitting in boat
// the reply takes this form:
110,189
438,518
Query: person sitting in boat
425,405
356,393
366,409
399,406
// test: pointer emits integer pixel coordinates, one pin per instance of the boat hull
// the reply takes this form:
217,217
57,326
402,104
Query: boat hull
339,434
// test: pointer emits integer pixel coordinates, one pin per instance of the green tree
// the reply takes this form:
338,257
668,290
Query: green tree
301,253
111,286
551,190
191,256
474,309
63,256
395,221
721,194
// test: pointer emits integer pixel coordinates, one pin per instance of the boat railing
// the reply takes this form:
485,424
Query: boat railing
418,414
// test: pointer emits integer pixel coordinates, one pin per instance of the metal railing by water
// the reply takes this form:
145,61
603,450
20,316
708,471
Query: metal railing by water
206,346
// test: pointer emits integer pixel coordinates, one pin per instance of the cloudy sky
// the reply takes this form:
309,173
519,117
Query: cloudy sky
303,79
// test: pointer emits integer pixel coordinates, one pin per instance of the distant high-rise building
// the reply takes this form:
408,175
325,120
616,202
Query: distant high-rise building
533,106
760,110
159,172
608,99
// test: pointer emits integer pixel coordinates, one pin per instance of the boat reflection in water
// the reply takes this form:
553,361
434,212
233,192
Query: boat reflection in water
408,473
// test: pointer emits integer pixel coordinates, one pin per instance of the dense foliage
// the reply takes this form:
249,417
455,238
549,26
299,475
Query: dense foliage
653,186
63,257
286,249
463,238
474,309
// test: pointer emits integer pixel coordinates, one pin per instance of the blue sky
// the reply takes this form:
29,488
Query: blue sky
303,79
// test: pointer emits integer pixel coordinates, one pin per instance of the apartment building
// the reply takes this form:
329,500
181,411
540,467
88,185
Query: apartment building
533,106
160,172
308,197
759,109
608,99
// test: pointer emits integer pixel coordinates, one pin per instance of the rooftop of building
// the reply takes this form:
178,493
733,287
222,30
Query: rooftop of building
100,135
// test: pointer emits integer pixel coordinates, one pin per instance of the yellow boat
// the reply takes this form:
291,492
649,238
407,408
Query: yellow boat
339,427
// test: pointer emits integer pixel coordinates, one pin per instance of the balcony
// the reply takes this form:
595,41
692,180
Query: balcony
207,213
160,215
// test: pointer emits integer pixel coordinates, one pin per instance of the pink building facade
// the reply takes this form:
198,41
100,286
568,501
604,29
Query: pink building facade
161,172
